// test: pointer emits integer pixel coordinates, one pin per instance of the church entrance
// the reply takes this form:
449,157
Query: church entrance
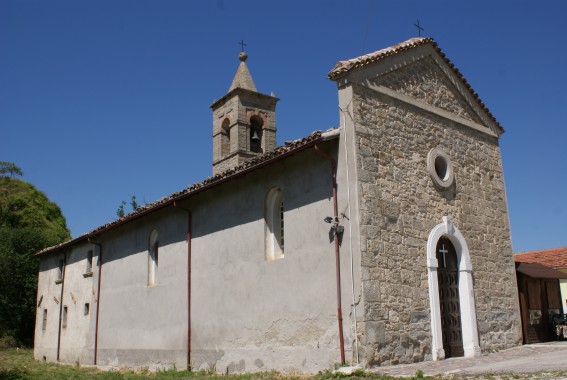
448,279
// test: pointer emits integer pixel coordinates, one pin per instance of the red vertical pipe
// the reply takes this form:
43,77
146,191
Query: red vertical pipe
337,250
97,298
189,222
61,303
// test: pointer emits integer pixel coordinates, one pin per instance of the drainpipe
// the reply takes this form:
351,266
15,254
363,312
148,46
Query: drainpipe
189,221
337,252
61,303
97,298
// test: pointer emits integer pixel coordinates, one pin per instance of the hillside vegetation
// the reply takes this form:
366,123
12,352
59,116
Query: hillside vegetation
29,222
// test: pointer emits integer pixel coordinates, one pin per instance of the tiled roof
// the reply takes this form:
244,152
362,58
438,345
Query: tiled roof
281,152
553,258
343,67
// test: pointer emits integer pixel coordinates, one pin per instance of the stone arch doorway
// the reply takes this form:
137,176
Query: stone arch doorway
449,300
464,284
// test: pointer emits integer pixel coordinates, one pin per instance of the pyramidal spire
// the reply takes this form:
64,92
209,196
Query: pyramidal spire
243,79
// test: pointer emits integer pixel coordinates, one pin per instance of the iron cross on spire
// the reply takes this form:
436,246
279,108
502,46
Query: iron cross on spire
242,44
419,28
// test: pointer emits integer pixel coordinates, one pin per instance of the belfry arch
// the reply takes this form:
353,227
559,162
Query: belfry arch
466,292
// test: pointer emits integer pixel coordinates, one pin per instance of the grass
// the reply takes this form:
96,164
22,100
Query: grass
20,364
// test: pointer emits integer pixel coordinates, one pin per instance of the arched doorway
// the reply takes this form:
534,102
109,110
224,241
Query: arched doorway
449,301
466,305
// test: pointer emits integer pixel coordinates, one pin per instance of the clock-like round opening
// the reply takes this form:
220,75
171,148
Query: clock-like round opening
440,168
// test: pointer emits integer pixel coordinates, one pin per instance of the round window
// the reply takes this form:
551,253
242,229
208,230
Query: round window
440,168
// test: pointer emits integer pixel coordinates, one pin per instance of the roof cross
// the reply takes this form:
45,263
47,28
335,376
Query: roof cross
242,44
419,28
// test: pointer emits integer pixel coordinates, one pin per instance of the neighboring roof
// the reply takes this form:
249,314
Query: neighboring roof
553,258
290,148
243,79
343,67
536,270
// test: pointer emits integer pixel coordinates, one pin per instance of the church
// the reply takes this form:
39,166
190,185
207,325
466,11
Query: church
383,241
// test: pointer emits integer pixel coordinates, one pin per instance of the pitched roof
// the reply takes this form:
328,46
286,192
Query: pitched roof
290,148
243,79
553,258
342,68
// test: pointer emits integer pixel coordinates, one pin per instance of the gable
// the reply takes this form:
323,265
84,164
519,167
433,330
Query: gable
425,81
418,72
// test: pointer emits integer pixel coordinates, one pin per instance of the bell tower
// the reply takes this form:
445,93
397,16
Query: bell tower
244,122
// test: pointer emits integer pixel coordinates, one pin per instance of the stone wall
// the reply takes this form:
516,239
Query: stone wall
399,206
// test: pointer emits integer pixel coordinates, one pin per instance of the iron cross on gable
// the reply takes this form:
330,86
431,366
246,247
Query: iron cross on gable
242,44
419,28
443,251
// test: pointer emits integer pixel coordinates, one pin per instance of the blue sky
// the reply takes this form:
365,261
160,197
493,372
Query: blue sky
102,100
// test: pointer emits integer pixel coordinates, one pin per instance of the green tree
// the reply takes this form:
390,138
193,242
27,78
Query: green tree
120,211
29,222
10,168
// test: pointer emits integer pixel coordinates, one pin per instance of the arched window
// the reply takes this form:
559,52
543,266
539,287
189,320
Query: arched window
225,137
274,224
153,258
256,124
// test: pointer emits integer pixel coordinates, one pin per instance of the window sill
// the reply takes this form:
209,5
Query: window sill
88,274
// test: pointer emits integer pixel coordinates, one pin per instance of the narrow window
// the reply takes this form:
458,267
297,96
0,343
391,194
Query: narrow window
256,124
153,258
225,137
89,262
274,224
44,323
282,226
86,309
60,269
64,317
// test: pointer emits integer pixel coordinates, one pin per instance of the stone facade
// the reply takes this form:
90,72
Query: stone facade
399,206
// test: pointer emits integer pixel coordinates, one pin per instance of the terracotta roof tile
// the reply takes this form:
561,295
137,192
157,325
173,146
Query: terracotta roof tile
343,67
290,147
553,258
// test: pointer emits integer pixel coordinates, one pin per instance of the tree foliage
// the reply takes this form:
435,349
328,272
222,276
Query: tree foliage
10,168
120,211
29,222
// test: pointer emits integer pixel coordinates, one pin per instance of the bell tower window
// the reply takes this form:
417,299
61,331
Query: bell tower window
256,124
225,137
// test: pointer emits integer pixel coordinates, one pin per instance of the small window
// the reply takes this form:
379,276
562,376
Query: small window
274,224
86,309
282,226
44,323
153,258
89,268
256,124
60,268
225,137
440,169
64,317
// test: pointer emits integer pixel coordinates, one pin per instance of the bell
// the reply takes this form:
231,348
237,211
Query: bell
255,137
